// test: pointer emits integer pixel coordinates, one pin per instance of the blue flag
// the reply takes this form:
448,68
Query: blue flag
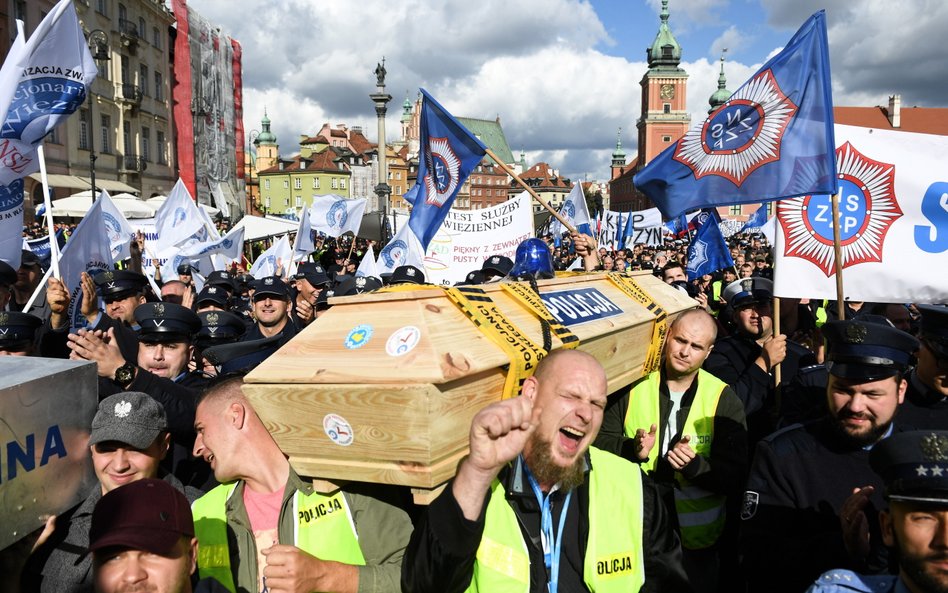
772,139
447,155
757,219
708,251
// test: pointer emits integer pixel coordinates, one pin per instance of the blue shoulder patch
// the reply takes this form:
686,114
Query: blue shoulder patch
847,581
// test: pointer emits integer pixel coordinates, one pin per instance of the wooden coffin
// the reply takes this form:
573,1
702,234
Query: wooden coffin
383,387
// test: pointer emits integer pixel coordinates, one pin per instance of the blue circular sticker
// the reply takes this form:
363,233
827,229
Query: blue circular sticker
358,336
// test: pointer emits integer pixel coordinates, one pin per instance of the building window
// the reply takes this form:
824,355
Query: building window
162,155
143,78
299,202
84,129
666,138
342,184
398,176
53,137
315,182
286,201
146,144
297,183
102,7
735,210
286,184
105,129
266,185
127,137
141,28
159,87
667,108
156,37
267,200
335,183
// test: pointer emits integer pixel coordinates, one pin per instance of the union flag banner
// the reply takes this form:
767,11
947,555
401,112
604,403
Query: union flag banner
893,223
772,139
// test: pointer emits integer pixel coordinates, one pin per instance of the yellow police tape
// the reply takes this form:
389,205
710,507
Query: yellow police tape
522,293
631,288
522,352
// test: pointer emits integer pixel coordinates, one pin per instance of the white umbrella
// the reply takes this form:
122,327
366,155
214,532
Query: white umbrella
77,205
157,201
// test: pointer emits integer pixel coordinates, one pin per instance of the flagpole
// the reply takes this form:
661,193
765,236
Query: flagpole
776,332
39,287
50,229
530,191
838,252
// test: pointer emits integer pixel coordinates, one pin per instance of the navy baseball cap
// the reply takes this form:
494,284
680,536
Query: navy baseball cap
270,286
314,273
497,265
213,294
407,275
934,328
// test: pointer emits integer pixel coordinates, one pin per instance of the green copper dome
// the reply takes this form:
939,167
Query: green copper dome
720,96
619,153
665,50
265,136
406,109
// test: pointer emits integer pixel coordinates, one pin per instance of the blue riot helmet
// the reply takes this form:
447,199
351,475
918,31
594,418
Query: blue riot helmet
533,259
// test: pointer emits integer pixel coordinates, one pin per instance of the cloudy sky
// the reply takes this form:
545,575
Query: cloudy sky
563,75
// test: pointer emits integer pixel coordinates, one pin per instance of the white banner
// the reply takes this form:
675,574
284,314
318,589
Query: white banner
468,237
646,218
653,236
893,223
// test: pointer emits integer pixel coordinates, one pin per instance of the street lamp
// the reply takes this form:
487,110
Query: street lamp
251,165
98,42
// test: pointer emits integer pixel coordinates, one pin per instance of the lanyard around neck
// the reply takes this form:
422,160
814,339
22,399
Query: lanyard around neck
552,546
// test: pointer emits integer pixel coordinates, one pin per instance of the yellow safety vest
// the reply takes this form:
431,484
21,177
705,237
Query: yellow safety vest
613,563
700,512
323,527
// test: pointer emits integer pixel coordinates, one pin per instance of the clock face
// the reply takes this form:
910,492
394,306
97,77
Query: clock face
668,91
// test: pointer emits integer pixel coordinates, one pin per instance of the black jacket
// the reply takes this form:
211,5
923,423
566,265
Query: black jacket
440,556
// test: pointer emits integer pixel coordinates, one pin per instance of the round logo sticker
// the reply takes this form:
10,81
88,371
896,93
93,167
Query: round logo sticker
403,341
358,336
337,429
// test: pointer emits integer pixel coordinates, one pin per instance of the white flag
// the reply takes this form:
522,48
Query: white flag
116,225
220,202
336,215
178,219
403,250
230,246
368,267
573,210
305,243
893,223
279,254
43,81
88,250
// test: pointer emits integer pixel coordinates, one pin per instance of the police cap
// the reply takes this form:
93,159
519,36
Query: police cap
218,327
166,322
114,285
358,285
272,286
220,278
934,328
241,356
17,330
474,277
312,272
497,265
407,275
914,466
863,349
748,291
212,294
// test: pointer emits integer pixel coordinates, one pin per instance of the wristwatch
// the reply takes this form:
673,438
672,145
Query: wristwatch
125,374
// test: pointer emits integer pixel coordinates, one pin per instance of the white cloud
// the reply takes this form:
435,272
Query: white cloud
731,40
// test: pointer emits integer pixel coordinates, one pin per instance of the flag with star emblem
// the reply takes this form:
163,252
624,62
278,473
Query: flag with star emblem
772,139
447,155
708,252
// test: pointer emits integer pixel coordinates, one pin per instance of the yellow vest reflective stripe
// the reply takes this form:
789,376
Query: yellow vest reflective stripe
700,513
322,526
613,562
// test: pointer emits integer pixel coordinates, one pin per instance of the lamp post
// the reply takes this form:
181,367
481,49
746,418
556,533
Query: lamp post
251,165
382,190
98,42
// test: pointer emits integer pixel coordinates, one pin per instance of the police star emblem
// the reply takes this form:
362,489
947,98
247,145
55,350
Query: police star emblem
742,135
935,447
868,210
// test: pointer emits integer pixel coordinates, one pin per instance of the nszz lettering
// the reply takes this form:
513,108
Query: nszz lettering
320,510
